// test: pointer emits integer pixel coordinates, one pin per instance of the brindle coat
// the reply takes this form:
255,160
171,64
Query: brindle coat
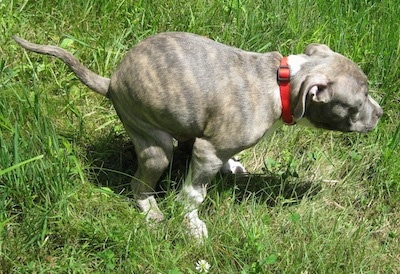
221,100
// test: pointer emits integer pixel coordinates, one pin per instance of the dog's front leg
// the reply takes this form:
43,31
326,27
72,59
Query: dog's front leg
203,166
233,166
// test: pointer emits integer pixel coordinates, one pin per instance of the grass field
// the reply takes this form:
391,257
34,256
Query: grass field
319,202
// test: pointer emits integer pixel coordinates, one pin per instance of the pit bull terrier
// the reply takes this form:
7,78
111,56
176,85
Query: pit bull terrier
219,100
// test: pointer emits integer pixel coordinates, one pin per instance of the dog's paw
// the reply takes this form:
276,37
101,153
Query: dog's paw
233,166
154,216
149,207
197,228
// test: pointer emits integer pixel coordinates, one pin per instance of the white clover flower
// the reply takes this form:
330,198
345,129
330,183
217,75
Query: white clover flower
202,266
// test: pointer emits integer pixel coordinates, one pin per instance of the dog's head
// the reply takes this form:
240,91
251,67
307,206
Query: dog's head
331,92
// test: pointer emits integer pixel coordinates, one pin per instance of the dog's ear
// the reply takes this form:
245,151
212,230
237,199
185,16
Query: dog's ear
315,88
318,49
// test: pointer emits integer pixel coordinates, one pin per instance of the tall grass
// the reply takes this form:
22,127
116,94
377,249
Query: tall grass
319,202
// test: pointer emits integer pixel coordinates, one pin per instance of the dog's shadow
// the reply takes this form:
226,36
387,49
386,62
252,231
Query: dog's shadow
113,162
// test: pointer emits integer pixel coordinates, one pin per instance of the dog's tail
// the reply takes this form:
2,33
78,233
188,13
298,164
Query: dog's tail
95,82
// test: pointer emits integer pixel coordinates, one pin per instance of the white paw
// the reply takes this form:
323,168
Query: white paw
233,166
197,228
150,208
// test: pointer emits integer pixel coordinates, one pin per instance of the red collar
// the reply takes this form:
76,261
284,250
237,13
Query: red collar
284,86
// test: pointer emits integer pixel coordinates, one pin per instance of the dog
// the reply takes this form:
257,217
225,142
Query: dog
218,100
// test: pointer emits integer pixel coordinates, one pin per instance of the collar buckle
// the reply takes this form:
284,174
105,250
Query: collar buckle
284,73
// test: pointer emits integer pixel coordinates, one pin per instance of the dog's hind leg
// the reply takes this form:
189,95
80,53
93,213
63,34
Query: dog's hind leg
154,152
205,163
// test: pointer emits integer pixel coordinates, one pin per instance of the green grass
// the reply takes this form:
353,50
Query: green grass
320,202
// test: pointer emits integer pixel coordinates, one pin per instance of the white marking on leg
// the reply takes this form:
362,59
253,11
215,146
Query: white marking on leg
149,206
233,166
191,198
203,166
197,227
